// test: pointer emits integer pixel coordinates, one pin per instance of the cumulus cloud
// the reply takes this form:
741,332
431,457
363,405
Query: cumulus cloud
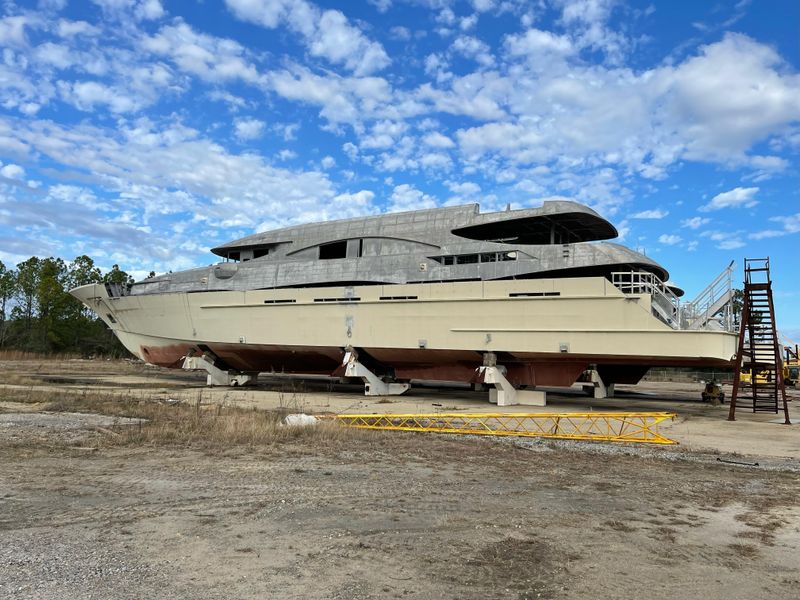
713,106
407,197
472,47
695,222
148,163
650,214
327,33
788,223
12,171
248,128
87,95
140,9
438,140
205,56
463,188
341,99
669,239
12,31
735,198
535,43
727,240
68,28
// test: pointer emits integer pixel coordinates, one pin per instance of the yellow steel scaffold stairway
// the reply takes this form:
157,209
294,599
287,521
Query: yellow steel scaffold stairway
758,343
598,426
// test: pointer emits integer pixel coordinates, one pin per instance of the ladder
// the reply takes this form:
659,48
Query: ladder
758,343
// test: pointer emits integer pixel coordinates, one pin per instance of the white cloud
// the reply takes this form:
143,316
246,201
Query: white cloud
342,99
72,28
535,42
248,128
767,233
53,54
562,110
789,223
149,9
735,198
328,34
695,222
407,197
328,162
438,140
351,150
669,239
208,57
381,5
472,47
731,244
12,171
650,214
87,95
399,32
732,94
727,240
483,5
463,188
141,10
148,164
468,22
12,31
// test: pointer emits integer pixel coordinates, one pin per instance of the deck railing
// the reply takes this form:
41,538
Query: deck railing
665,303
711,309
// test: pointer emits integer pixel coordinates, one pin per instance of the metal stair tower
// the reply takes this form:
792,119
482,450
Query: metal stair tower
759,348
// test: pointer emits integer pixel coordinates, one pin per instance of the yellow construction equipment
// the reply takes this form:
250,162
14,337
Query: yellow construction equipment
598,426
791,365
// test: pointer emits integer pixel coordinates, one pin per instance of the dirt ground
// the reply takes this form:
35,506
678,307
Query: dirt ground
385,514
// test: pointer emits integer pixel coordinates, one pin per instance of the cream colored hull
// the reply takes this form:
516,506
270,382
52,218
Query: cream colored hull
550,329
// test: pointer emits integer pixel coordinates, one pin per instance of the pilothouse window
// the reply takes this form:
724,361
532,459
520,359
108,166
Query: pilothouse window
471,259
333,250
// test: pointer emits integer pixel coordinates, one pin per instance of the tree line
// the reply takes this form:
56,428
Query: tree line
37,313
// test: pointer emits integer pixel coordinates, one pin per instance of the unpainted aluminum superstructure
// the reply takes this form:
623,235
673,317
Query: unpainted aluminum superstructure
456,243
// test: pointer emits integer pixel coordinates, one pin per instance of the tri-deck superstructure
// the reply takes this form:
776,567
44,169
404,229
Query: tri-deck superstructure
535,296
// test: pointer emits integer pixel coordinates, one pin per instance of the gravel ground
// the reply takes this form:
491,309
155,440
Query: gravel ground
397,515
393,515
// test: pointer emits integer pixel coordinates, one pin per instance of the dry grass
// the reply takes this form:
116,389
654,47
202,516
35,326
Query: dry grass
23,355
206,426
744,550
220,427
620,526
17,379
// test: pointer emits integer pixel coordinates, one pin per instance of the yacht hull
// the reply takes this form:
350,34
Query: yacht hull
545,331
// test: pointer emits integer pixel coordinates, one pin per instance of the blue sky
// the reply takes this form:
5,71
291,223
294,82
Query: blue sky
143,132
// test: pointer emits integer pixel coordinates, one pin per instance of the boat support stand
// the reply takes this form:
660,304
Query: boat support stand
504,393
373,385
217,376
598,389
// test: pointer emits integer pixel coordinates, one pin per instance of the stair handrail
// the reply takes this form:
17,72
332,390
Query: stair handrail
721,287
644,282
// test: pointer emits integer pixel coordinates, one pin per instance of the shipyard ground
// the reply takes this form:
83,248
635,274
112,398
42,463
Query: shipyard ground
382,515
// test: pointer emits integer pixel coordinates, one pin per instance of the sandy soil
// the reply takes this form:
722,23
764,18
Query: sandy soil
389,515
